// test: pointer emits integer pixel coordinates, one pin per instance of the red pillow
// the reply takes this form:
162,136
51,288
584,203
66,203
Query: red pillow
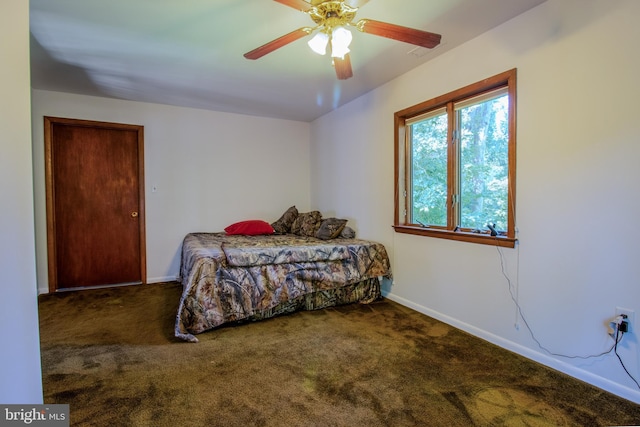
251,227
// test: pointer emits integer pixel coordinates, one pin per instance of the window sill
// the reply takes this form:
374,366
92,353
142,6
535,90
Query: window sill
483,239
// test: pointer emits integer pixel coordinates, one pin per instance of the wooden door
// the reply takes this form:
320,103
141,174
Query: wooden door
95,203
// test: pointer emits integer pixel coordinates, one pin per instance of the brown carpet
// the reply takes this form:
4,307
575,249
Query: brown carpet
111,355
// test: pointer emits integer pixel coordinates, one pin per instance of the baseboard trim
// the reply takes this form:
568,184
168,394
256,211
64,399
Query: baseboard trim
161,279
150,280
551,362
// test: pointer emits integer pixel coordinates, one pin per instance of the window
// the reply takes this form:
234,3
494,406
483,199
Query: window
455,164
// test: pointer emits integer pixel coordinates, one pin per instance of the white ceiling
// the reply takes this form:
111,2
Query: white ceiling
189,52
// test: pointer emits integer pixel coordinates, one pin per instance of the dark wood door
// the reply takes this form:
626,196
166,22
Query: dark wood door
95,203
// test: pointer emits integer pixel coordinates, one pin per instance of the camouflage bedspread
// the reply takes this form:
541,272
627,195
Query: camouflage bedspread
231,278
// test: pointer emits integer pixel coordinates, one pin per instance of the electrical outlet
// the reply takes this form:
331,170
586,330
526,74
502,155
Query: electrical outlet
631,317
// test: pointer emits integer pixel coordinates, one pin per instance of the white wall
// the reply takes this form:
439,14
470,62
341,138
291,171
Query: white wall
577,188
20,375
210,169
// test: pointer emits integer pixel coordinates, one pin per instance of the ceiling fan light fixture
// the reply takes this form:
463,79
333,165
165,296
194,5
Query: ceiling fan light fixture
340,40
319,42
332,18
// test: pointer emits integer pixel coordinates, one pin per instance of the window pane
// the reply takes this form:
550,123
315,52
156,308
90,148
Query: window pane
429,170
484,165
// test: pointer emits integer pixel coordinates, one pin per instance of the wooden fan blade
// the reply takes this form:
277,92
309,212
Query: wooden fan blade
343,67
296,4
356,3
261,51
397,32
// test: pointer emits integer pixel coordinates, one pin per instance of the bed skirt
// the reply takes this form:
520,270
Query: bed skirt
364,292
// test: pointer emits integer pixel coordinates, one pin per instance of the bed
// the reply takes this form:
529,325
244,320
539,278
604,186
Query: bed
232,278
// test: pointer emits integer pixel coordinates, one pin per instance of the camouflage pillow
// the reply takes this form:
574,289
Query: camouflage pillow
283,225
348,233
331,228
307,224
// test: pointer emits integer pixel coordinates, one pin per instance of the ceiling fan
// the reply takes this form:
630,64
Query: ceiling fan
332,17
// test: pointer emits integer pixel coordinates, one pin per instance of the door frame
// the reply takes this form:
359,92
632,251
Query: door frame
49,123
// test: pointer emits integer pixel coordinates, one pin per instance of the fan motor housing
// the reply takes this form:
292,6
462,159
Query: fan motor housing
332,13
